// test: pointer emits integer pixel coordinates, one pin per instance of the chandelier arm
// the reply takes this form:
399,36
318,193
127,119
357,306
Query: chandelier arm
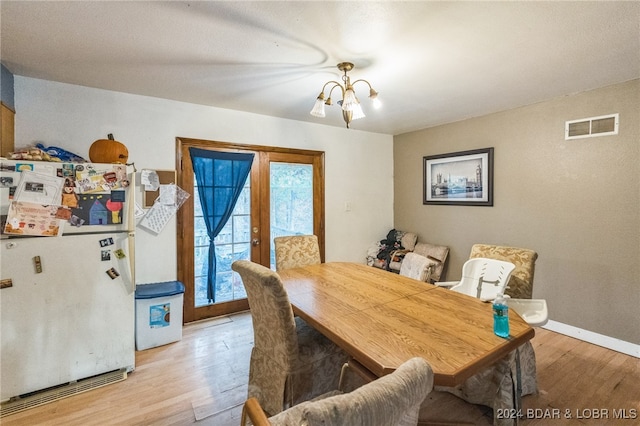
337,85
373,95
329,82
362,79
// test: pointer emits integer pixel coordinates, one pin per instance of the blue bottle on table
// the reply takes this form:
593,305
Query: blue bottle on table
501,317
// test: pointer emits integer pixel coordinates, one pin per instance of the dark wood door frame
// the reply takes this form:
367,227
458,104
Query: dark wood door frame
260,253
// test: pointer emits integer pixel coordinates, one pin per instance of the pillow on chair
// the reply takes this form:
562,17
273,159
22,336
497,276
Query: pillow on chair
437,254
417,267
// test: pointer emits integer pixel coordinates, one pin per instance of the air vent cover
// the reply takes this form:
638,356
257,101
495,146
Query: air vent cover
590,127
55,393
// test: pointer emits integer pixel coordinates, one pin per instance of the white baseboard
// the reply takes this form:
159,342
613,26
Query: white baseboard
595,338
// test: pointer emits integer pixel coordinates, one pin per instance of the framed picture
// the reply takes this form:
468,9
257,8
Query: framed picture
459,178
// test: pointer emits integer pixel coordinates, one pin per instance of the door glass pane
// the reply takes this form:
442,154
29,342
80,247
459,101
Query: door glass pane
291,196
232,243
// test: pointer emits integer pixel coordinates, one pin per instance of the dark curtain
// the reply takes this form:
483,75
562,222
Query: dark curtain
220,177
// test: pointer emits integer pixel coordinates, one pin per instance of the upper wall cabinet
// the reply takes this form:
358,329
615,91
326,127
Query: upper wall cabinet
7,130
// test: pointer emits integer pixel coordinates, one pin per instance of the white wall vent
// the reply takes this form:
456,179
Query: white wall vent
21,403
590,127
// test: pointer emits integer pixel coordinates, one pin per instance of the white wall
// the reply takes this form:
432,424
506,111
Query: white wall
358,165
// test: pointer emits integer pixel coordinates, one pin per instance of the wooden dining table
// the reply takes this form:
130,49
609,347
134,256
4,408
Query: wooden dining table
382,319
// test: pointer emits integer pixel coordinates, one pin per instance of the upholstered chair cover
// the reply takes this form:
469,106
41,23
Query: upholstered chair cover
497,386
437,254
416,266
296,251
392,400
290,362
520,284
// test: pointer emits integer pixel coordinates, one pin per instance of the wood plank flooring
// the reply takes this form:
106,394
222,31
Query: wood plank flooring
203,380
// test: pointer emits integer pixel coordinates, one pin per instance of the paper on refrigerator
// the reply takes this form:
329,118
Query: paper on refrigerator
38,188
25,218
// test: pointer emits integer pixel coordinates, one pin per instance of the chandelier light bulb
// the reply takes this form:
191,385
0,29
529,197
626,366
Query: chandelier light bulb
318,107
350,101
373,95
357,112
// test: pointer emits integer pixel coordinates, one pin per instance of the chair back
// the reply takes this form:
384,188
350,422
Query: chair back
295,251
416,266
484,278
274,328
520,284
393,399
290,361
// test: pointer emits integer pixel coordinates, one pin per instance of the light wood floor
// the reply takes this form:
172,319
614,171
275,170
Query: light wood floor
203,380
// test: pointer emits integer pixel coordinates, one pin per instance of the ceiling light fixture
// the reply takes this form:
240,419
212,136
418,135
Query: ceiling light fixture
351,109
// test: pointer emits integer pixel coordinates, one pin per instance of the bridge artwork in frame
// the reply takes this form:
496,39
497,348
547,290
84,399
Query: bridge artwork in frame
459,178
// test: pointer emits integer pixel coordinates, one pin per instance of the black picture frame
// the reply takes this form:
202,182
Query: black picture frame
463,178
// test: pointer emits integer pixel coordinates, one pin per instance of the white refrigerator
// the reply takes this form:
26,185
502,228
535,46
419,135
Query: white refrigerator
67,308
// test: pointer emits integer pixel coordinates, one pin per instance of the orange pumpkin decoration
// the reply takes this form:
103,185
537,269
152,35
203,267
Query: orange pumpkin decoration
108,151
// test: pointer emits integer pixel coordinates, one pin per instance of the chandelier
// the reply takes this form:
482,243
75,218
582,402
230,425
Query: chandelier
351,109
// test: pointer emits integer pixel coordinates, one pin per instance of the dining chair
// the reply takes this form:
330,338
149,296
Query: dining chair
295,251
290,361
520,285
393,399
502,384
484,278
416,266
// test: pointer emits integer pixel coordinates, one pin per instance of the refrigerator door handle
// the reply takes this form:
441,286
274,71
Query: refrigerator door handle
132,261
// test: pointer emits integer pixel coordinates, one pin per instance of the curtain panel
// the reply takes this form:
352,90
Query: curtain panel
220,177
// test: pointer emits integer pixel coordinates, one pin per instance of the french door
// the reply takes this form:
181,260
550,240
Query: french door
283,195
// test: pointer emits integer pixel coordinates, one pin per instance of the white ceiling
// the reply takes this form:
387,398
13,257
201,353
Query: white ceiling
431,62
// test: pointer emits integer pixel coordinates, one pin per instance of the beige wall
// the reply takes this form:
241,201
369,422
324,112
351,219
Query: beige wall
577,203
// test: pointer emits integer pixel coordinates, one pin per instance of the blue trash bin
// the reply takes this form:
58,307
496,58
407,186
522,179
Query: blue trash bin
158,314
